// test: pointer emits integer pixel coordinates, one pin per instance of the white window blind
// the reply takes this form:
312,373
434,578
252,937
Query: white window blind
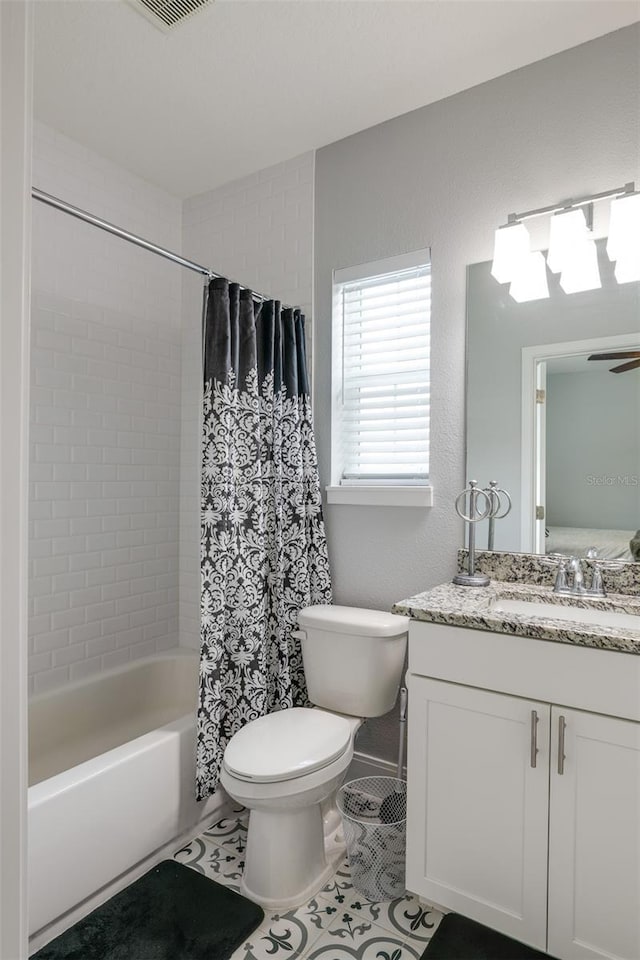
385,397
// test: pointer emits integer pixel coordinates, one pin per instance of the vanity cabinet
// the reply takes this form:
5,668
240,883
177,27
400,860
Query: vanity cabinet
476,808
594,838
501,829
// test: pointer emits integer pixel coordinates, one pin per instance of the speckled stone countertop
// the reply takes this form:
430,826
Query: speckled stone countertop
473,607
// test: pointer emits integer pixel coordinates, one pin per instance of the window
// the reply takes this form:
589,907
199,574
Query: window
381,395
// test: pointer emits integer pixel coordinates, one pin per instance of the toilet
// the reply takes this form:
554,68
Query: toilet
286,767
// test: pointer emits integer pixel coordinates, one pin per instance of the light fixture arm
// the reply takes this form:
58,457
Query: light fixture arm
628,189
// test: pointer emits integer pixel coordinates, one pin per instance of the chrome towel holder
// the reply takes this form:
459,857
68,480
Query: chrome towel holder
495,494
497,504
475,515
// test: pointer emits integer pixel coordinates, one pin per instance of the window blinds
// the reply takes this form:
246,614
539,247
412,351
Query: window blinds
385,376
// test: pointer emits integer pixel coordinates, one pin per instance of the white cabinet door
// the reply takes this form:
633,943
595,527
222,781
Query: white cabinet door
477,809
594,856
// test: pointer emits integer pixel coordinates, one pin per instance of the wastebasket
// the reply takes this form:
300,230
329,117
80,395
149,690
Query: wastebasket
374,816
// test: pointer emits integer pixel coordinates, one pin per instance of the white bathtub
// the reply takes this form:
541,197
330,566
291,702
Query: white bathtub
112,767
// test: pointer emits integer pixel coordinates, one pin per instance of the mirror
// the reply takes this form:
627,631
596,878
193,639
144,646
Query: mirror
560,432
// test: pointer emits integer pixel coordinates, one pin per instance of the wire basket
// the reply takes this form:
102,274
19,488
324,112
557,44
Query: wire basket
374,816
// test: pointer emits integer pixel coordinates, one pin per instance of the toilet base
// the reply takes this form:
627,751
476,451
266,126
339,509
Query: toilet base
288,859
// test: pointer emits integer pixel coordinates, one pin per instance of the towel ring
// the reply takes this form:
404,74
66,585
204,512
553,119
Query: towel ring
495,494
473,491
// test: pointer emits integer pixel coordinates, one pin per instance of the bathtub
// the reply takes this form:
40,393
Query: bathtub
111,774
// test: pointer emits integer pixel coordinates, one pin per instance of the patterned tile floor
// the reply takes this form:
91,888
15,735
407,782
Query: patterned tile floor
336,924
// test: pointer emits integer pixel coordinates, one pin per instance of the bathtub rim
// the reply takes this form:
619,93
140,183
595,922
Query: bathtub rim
172,653
37,793
89,769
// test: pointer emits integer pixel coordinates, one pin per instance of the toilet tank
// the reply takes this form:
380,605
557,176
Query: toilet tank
353,658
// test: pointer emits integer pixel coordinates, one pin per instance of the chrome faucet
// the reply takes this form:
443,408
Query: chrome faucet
597,585
570,579
577,574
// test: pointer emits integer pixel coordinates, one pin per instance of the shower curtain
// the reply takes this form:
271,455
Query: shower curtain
263,548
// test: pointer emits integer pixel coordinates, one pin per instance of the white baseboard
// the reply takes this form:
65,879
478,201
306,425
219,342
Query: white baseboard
363,765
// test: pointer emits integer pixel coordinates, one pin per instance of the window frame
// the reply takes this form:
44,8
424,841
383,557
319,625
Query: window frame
383,492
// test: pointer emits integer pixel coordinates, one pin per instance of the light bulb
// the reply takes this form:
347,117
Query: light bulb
627,269
581,271
624,228
510,249
530,282
567,229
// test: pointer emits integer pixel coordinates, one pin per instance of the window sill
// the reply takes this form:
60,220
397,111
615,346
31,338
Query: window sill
381,496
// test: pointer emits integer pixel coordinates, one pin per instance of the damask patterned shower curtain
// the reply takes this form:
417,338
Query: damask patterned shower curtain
263,548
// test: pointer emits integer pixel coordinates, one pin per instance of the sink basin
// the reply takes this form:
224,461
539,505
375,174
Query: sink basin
573,614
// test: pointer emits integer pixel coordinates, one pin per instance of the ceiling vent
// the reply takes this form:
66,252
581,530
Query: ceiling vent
167,14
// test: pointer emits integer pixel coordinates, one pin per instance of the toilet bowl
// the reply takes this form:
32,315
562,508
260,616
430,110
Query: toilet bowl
286,767
292,849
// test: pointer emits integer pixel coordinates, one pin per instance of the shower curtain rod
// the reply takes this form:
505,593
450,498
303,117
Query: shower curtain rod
132,238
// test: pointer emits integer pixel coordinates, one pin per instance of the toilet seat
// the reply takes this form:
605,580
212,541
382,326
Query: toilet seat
287,744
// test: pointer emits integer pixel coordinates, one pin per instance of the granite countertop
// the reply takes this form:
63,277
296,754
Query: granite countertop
472,607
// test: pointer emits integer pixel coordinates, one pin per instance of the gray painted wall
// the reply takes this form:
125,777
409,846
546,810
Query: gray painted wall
593,449
444,177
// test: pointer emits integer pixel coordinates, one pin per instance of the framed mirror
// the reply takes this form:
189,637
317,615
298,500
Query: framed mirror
552,417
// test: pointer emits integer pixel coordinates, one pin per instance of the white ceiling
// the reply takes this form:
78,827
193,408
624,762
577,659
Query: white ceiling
248,83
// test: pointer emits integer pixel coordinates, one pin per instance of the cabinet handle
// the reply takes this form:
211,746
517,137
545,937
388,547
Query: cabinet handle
534,737
561,757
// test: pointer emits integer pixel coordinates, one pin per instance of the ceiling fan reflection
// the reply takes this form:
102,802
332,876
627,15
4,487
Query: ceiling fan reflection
631,356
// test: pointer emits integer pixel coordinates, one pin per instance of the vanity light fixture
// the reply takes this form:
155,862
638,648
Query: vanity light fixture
581,271
627,269
511,248
623,244
567,230
530,280
572,250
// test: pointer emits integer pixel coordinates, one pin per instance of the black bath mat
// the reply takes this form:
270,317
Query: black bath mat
458,938
170,913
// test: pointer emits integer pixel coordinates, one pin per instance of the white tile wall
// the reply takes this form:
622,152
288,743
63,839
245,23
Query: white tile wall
258,231
114,507
105,421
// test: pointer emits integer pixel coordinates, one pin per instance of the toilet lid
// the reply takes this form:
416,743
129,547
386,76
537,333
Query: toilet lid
287,744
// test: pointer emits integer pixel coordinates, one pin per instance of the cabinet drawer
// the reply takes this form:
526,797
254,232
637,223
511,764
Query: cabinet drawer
598,680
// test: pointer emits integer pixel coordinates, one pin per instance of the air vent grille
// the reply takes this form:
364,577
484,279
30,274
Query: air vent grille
167,14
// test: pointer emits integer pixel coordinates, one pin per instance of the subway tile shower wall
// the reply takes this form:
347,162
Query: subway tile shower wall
105,421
